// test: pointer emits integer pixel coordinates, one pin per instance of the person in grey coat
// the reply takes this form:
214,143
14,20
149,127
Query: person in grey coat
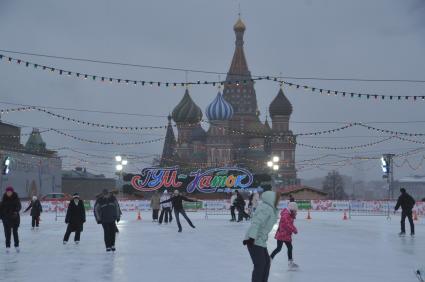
155,205
107,211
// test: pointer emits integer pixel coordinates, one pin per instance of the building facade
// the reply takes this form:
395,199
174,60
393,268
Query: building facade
235,134
34,170
88,185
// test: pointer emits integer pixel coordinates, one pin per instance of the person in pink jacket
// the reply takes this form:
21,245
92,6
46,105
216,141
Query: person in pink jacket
285,231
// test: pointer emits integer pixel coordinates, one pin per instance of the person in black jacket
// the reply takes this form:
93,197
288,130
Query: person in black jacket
75,218
107,211
177,201
36,210
406,202
9,213
240,206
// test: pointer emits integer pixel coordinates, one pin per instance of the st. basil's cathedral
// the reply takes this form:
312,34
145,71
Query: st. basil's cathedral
236,136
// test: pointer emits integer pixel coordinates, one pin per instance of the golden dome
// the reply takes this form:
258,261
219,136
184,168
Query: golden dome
239,25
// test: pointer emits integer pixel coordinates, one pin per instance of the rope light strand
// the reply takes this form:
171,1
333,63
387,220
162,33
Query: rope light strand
109,79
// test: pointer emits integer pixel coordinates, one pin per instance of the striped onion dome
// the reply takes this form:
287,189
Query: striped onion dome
187,110
219,109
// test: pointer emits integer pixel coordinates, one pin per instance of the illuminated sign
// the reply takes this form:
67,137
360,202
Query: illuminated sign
209,181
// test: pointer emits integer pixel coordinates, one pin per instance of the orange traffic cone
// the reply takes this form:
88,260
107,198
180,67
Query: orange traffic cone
345,216
139,216
415,216
308,215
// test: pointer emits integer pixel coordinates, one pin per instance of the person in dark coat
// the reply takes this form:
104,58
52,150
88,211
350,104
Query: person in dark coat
36,210
177,201
107,211
406,202
75,218
240,206
9,213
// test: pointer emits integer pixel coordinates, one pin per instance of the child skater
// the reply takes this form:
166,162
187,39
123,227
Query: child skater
284,232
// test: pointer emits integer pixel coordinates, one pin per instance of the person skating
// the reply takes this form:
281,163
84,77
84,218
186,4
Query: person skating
256,237
240,206
155,200
406,202
36,210
166,208
9,213
233,206
254,198
107,211
284,232
177,201
75,219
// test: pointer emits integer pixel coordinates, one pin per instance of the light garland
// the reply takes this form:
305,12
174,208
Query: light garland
330,92
105,142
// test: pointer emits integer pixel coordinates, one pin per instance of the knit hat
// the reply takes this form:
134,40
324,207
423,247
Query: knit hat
165,192
76,195
34,198
292,206
10,189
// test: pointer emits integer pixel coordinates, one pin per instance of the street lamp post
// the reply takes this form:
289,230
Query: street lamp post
120,163
273,165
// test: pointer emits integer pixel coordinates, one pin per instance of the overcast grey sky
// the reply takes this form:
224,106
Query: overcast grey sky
380,39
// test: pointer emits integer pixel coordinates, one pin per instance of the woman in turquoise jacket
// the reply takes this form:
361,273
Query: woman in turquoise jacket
262,223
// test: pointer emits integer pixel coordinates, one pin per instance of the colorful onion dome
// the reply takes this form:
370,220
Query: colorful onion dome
280,106
187,110
219,109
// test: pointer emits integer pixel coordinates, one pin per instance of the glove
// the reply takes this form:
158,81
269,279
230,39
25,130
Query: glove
66,221
248,242
118,219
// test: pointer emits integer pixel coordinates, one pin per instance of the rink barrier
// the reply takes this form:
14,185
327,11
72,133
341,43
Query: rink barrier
221,207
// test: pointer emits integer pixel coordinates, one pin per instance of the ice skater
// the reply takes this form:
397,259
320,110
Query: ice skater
75,218
256,237
36,210
107,211
165,208
406,202
9,213
284,232
240,206
177,201
254,198
155,200
233,206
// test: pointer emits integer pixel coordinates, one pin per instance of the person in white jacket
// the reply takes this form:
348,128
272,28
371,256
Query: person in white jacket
165,208
232,206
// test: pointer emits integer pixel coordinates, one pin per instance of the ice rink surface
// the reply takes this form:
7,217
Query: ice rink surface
327,249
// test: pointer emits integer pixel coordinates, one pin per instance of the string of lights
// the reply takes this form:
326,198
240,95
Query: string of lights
105,142
104,78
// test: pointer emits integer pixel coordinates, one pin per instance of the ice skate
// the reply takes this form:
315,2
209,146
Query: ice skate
7,250
17,249
77,242
402,234
108,250
292,265
64,242
113,248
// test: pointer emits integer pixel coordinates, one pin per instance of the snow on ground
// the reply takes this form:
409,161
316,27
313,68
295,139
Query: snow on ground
327,249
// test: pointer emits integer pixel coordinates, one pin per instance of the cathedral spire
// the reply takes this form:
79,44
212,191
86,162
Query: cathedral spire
239,67
240,91
169,145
